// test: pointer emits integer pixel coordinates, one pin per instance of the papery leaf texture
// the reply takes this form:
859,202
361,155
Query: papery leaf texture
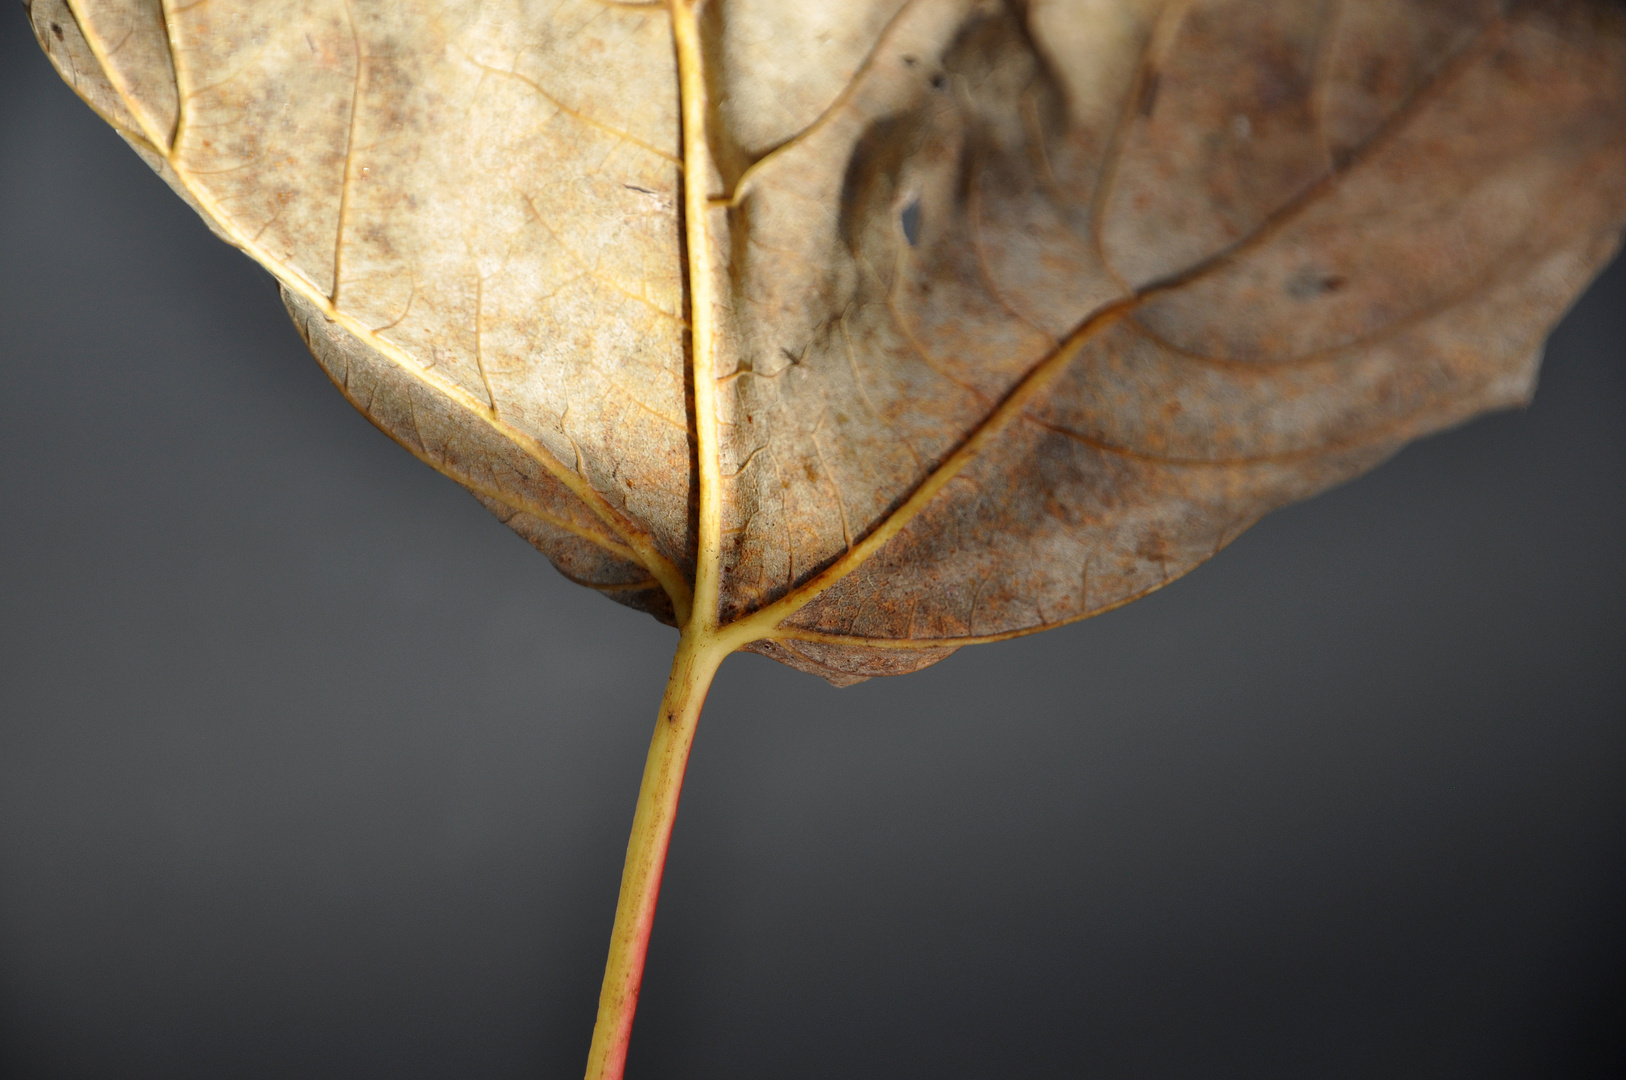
1000,314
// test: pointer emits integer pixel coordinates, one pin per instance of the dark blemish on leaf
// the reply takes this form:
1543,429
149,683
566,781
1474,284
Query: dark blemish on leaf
1310,283
869,189
910,220
938,82
1148,92
57,30
639,190
910,61
792,357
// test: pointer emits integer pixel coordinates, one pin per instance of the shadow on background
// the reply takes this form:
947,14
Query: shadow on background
308,767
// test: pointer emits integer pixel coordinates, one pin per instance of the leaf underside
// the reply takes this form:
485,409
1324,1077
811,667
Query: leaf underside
1021,309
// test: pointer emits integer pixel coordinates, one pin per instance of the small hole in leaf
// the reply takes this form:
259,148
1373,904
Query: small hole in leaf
910,220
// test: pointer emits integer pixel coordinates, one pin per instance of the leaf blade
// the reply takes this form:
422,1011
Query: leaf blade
1021,312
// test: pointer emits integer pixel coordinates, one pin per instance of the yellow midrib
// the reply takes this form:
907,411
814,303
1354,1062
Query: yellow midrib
693,107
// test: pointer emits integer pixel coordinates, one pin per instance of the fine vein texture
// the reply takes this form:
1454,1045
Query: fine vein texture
1011,311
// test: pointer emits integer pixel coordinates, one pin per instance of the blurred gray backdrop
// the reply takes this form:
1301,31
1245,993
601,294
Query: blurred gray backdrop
309,767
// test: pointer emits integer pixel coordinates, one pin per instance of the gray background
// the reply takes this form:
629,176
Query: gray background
308,767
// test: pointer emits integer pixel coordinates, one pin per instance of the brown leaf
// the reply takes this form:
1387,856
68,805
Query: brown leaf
1008,313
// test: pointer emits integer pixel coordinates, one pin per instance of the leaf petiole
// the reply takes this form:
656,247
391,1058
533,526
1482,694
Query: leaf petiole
699,653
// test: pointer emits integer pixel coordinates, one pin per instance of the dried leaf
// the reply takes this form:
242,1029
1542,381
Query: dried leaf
1017,311
853,333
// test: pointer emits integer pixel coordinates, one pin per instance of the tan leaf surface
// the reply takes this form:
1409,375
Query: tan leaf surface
1012,312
